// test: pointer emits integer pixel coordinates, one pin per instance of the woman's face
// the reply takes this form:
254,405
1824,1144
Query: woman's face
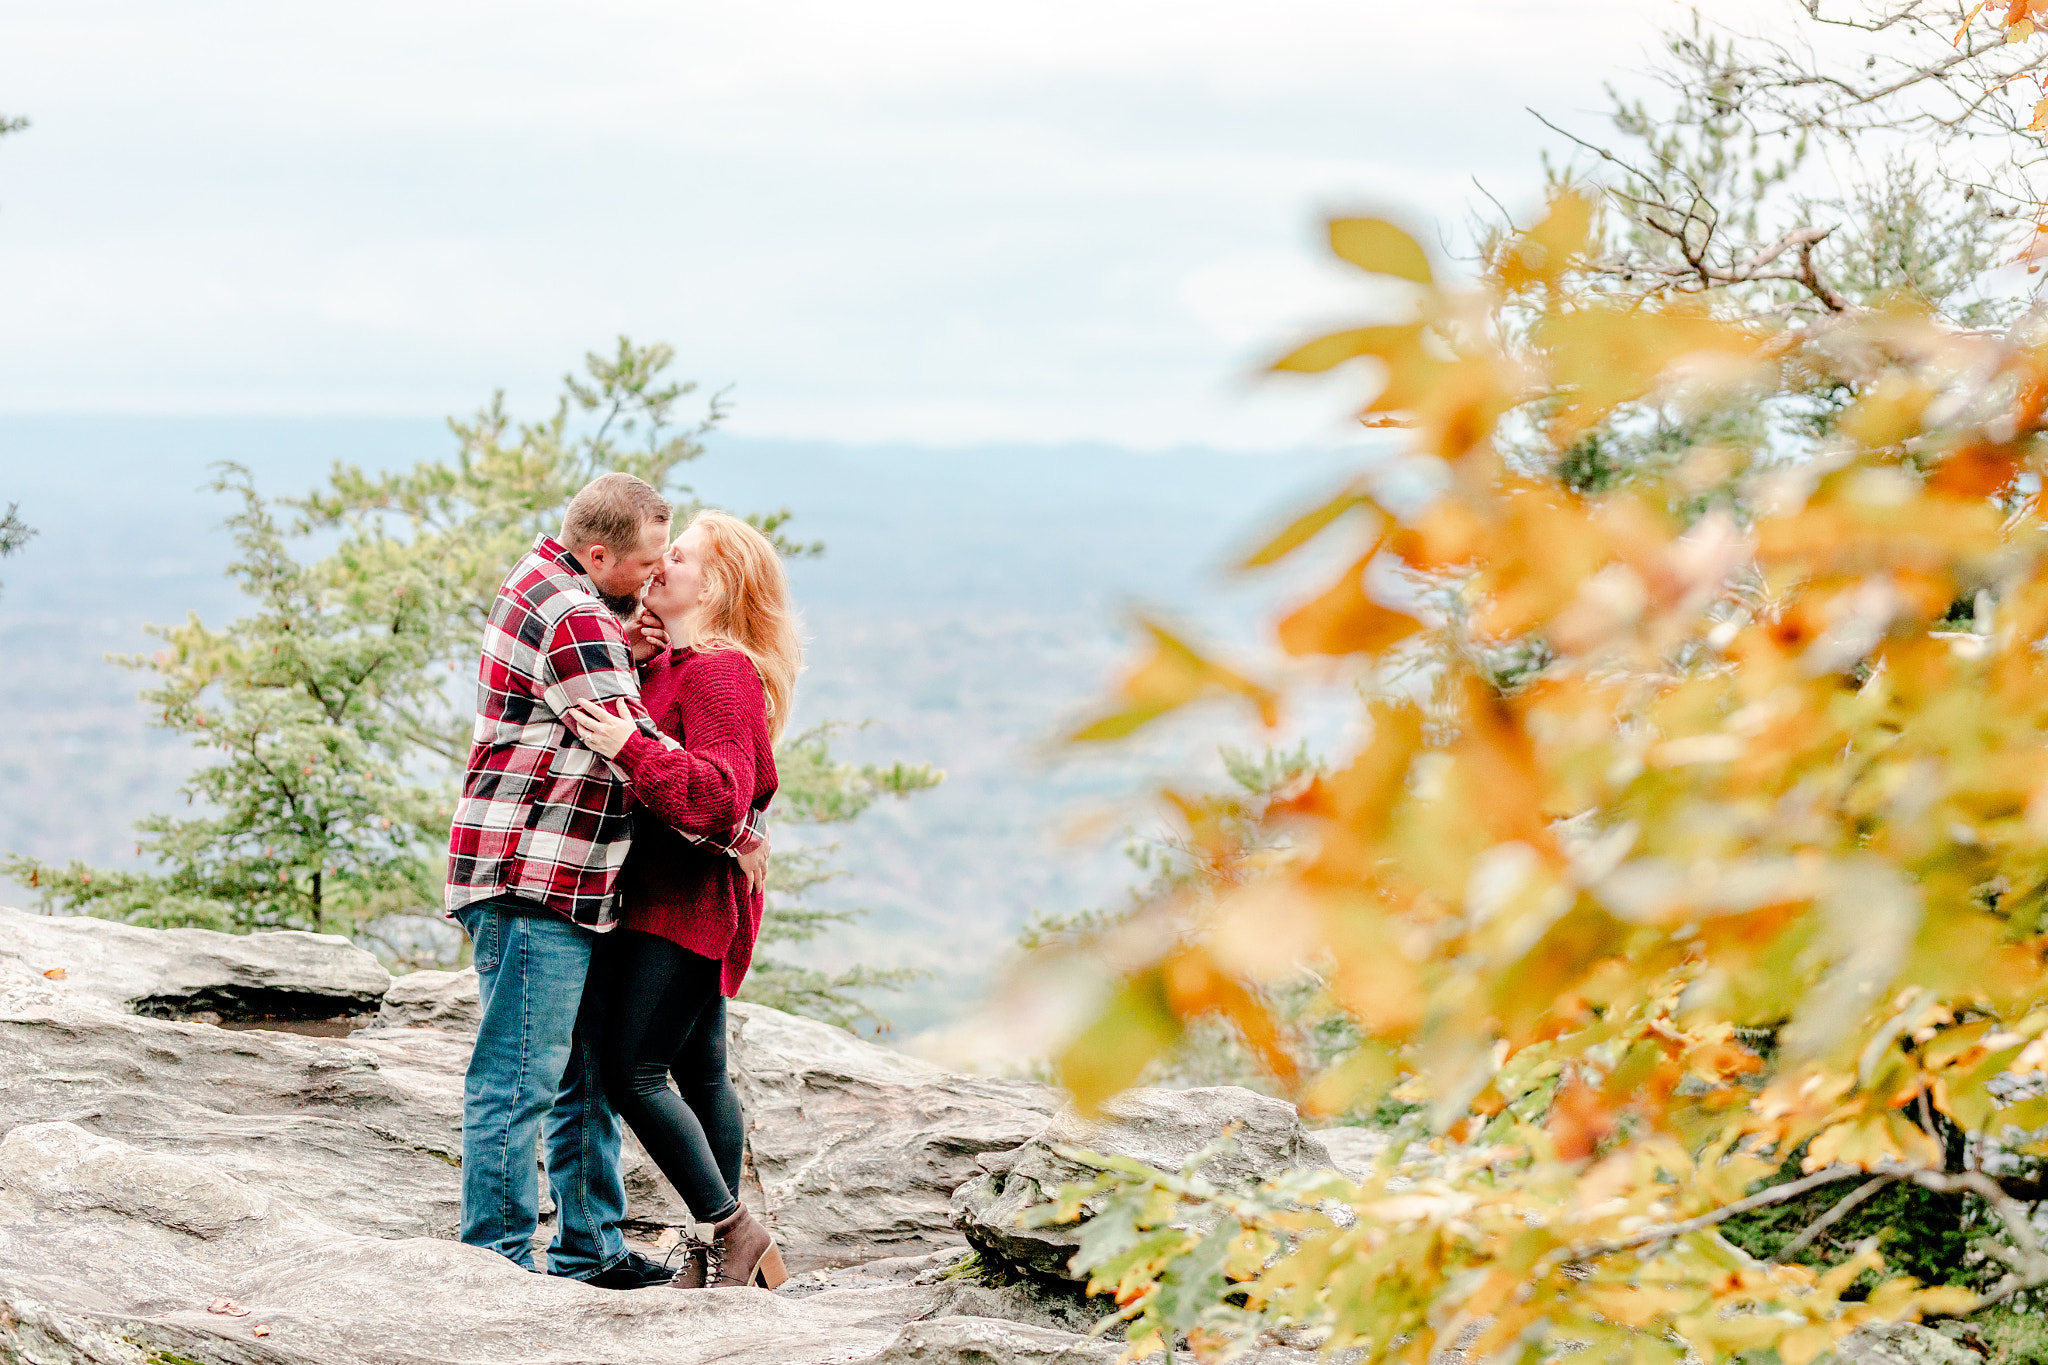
678,585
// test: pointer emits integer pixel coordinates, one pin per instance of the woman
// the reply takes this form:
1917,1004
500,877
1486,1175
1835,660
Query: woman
689,916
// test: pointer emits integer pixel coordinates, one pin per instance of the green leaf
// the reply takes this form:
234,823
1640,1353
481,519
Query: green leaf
1195,1281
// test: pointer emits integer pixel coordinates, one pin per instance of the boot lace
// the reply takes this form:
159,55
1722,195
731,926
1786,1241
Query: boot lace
691,1245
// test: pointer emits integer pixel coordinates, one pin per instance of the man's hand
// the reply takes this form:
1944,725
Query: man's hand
754,862
645,636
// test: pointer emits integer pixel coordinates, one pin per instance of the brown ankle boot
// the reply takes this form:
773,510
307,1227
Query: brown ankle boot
688,1259
742,1253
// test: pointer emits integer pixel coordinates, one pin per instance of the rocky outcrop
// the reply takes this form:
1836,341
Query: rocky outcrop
180,973
172,1190
440,1000
1352,1150
858,1148
120,1255
367,1131
1161,1128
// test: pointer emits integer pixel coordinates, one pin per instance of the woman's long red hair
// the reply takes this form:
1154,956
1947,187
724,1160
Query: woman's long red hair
747,608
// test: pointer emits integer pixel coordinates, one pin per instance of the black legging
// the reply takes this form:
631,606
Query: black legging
664,1016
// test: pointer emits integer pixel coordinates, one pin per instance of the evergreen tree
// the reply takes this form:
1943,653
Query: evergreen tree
310,818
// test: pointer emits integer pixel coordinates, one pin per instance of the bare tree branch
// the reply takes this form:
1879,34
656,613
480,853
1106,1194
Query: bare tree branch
1763,1199
1841,1209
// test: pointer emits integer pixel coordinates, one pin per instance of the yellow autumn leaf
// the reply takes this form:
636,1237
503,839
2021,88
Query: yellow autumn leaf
1411,371
1173,675
1802,1344
1604,355
1888,412
1543,253
1376,245
1134,1027
1326,352
1307,526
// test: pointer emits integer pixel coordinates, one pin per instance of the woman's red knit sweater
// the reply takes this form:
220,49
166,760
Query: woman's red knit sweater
692,894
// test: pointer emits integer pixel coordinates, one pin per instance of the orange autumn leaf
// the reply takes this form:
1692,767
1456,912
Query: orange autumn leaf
1196,985
1976,470
1578,1120
1361,795
1344,620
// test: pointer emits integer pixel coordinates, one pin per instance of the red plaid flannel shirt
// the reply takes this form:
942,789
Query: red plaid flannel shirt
543,817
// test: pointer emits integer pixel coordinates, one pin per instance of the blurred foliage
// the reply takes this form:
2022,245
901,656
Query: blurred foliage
1210,1050
338,711
1691,865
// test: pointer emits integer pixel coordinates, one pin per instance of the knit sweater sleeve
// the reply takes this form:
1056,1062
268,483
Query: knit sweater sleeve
706,788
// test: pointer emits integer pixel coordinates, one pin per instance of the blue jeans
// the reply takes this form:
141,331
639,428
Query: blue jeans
535,1058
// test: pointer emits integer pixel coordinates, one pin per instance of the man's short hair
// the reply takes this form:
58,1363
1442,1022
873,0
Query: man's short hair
612,510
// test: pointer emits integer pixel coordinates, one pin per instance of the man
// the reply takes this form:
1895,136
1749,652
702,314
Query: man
540,833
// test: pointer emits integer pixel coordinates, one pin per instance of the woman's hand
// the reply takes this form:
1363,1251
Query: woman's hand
754,866
645,636
601,729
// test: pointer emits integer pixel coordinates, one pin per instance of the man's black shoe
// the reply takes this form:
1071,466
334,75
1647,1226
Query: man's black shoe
635,1272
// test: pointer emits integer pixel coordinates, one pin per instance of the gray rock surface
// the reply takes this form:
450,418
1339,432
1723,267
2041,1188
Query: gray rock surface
367,1128
152,1166
1161,1128
368,1132
858,1148
117,1237
1352,1150
1906,1343
1035,1303
442,1000
985,1341
173,973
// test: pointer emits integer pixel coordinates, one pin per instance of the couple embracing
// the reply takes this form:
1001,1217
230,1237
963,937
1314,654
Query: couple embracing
606,861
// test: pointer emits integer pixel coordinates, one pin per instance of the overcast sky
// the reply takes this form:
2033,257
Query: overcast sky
945,222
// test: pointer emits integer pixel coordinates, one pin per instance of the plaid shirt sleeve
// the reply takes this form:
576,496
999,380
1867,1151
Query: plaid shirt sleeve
587,661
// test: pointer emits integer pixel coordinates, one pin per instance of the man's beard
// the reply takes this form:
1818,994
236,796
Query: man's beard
621,607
